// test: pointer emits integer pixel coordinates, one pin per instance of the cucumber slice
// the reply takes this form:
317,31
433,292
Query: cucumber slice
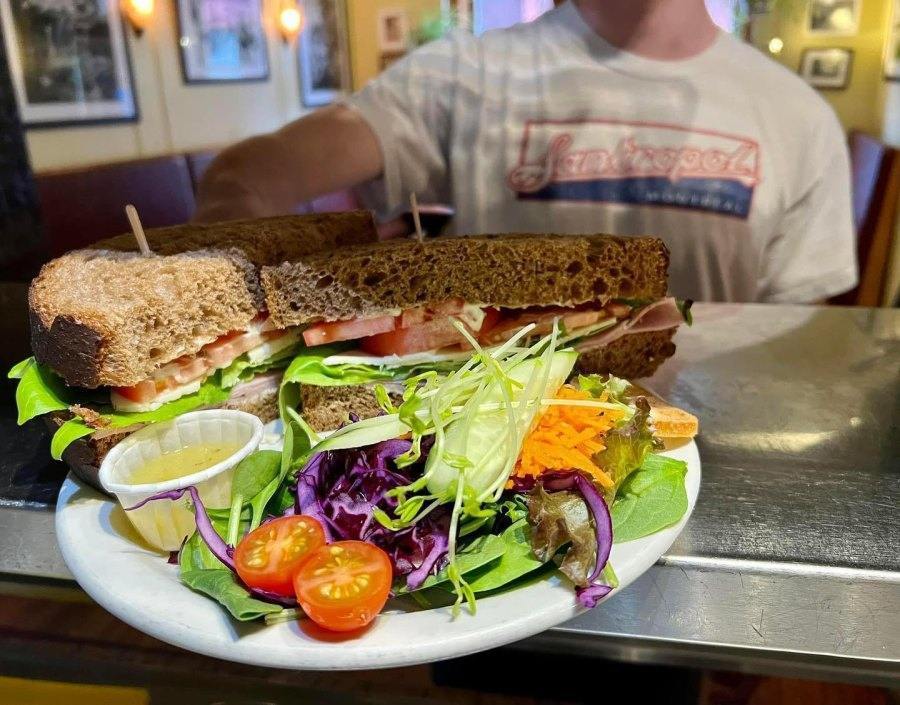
485,441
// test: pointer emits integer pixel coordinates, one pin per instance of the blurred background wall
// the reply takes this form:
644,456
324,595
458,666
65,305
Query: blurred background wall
192,121
175,116
861,105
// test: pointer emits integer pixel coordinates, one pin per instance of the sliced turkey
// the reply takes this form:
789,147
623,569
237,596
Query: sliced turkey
660,315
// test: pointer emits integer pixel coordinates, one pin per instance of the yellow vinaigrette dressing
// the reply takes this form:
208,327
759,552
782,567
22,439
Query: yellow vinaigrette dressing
182,462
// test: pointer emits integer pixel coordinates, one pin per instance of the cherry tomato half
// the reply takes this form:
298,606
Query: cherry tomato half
344,585
268,556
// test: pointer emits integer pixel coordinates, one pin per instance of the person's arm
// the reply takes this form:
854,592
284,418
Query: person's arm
328,150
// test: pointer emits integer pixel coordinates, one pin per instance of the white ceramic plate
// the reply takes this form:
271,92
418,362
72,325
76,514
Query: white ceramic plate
141,588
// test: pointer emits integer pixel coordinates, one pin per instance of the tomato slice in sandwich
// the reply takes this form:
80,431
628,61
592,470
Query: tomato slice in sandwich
430,335
417,316
323,333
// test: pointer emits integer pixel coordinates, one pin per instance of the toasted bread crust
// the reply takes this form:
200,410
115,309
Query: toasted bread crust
85,455
69,347
263,241
328,408
110,317
631,356
102,318
487,270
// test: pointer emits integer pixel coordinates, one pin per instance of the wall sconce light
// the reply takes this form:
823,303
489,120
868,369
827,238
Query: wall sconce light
138,13
290,20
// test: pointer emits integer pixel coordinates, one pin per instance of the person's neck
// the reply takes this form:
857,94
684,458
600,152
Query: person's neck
666,30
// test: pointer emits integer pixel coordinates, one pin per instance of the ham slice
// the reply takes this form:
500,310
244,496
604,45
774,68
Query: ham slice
660,315
259,385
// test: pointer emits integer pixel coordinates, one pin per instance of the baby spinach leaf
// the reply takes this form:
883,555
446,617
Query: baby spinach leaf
221,585
255,480
476,554
200,570
254,473
517,560
195,554
650,499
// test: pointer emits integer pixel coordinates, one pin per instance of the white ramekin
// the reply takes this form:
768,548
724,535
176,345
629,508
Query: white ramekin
164,524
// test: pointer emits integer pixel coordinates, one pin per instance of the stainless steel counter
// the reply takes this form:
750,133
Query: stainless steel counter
790,562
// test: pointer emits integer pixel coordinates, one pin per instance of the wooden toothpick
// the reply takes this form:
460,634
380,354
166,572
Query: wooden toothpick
137,229
414,204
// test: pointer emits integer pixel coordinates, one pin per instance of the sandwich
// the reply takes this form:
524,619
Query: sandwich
121,340
379,313
314,312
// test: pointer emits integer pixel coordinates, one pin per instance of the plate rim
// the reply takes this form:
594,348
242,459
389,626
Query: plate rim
302,654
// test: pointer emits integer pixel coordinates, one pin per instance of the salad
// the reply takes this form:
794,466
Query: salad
477,481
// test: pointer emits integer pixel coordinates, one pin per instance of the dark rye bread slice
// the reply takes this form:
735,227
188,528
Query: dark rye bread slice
328,408
486,270
263,241
632,356
85,455
101,317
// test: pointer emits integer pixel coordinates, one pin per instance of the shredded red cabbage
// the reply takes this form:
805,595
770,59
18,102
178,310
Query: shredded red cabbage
592,594
214,542
210,536
602,521
341,489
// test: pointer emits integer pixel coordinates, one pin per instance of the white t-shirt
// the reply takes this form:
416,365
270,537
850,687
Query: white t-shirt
544,127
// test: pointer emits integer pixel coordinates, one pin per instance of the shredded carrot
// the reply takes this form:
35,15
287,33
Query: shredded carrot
567,437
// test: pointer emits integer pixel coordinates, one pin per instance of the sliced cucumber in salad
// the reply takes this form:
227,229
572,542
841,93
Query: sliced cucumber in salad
486,438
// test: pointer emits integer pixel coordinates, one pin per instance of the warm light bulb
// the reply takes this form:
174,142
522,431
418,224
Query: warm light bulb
138,13
290,20
143,7
841,18
776,44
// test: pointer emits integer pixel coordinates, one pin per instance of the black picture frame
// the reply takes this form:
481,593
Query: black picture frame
837,80
191,36
76,73
892,59
832,18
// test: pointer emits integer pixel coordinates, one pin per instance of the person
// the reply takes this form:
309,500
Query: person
629,117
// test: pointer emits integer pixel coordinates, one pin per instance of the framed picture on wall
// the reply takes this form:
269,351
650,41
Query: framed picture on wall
322,55
826,68
833,17
222,40
68,61
393,30
892,57
759,7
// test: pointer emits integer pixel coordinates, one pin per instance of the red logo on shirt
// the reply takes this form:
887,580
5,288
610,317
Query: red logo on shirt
632,162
